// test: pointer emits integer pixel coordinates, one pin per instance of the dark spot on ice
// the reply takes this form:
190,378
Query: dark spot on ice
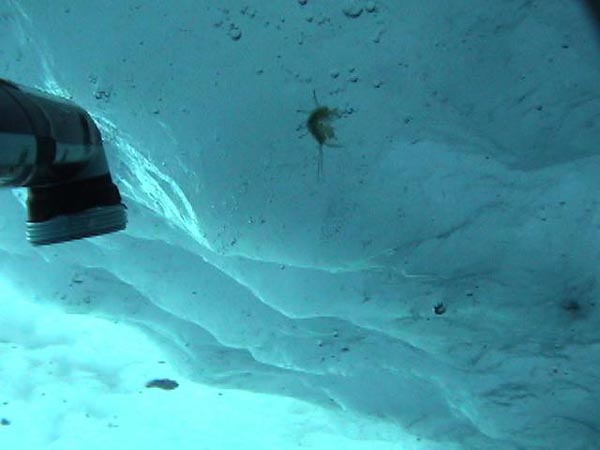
574,308
571,305
162,383
4,421
439,309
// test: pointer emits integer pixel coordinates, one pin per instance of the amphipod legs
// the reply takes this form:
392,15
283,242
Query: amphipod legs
320,163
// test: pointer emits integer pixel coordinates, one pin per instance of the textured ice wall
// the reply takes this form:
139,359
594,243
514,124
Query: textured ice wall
466,176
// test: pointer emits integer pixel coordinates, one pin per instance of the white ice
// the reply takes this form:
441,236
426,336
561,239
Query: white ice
301,313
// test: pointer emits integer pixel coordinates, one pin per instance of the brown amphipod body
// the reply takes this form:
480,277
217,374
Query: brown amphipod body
320,125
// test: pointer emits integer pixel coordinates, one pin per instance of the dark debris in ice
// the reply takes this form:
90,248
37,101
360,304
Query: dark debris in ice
163,383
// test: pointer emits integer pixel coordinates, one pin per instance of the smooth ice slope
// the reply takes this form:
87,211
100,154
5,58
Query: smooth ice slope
465,177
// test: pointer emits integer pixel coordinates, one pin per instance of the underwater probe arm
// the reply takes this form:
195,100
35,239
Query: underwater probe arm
54,148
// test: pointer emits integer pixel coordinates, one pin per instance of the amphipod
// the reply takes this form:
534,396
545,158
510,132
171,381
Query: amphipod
320,126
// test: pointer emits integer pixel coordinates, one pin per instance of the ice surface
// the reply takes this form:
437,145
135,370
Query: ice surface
464,180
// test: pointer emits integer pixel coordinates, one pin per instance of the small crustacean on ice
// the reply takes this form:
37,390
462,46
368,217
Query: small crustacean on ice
320,126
